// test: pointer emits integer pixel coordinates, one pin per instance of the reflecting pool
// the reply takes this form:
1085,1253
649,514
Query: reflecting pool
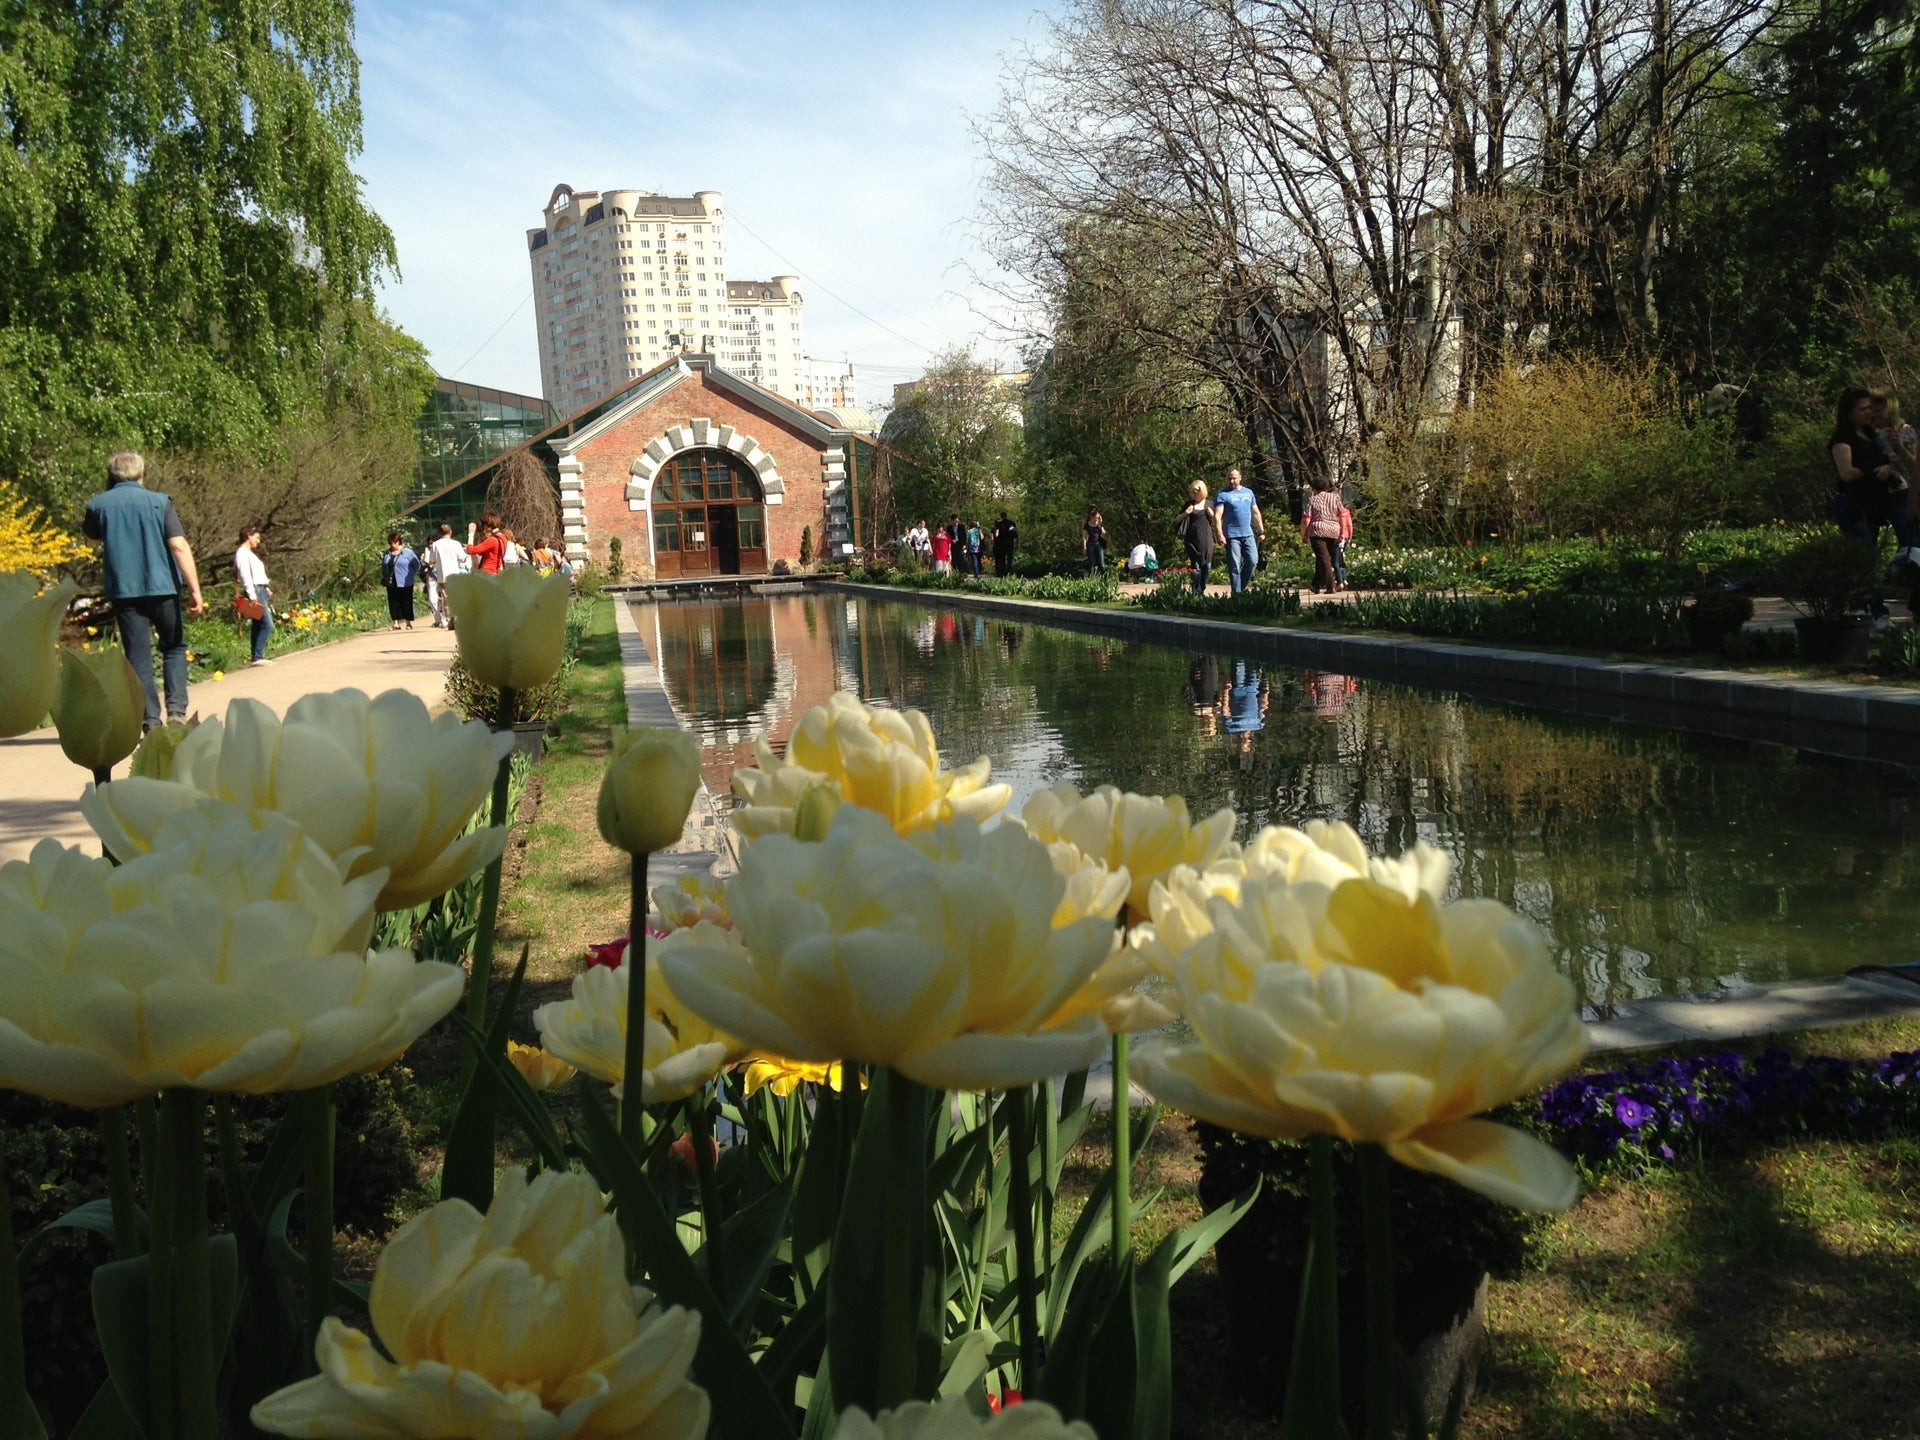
1660,862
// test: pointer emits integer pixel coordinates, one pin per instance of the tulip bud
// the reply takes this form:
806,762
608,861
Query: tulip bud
30,639
511,627
814,811
648,789
541,1069
154,759
98,705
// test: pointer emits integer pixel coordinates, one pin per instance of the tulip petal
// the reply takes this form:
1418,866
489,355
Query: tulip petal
1001,1062
1500,1162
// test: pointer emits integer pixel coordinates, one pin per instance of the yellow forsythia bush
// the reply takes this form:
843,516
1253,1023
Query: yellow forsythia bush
30,541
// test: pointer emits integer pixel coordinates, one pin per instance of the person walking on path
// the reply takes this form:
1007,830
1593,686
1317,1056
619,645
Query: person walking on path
1093,542
400,569
250,575
1866,482
1006,539
1239,527
146,560
491,553
1346,539
974,547
1320,528
446,557
942,553
1195,528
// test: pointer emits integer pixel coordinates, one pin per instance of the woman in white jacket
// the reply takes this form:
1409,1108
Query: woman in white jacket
250,575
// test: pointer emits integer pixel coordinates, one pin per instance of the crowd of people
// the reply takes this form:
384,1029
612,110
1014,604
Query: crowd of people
958,546
1876,464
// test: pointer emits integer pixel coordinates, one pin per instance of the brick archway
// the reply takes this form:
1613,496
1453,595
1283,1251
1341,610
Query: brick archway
699,435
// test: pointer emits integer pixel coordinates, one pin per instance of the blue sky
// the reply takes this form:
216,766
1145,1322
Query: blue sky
838,134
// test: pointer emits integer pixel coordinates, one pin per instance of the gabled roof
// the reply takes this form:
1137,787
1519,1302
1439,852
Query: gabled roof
595,419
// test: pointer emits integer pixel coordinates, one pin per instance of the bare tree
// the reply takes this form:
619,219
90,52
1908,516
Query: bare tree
523,495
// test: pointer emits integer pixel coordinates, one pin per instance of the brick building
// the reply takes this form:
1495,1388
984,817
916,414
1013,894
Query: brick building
696,472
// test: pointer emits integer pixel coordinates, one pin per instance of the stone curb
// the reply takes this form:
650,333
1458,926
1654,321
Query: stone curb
1864,722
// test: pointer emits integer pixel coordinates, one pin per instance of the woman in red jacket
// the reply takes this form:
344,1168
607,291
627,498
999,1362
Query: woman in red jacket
489,553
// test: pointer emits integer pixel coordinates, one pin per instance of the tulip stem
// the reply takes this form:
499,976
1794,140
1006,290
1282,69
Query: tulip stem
317,1105
158,1159
482,977
183,1114
700,1126
1122,1113
632,1101
1020,1156
15,1406
126,1225
1312,1405
902,1249
1377,1223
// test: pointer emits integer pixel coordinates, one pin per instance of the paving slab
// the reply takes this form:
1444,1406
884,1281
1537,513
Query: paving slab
40,789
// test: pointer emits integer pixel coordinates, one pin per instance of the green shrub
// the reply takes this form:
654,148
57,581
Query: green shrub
806,544
588,582
616,558
1596,622
482,702
1175,596
1829,574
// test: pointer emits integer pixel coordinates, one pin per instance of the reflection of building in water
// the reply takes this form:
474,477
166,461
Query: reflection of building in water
743,670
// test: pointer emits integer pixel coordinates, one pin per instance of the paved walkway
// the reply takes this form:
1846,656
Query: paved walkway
40,788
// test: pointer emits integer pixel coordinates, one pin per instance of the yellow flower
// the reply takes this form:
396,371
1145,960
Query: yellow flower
951,1419
935,953
519,1323
1363,1011
880,760
511,627
683,1051
29,638
688,901
540,1069
1147,834
97,707
231,958
378,783
783,1076
648,788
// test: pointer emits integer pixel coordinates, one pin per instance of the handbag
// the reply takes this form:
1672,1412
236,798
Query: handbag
248,607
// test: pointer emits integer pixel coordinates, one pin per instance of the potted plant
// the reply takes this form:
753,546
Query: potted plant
1828,579
1714,611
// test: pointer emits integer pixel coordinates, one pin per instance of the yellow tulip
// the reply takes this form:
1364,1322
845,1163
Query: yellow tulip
1146,834
683,1052
537,1067
952,1419
935,953
1370,1014
231,958
880,760
517,1323
648,788
98,707
153,760
688,901
512,627
30,639
378,783
783,1076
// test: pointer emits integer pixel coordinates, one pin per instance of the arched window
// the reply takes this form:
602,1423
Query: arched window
709,516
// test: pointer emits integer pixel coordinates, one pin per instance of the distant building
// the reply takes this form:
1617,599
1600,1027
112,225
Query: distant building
463,426
760,339
1013,386
826,385
623,280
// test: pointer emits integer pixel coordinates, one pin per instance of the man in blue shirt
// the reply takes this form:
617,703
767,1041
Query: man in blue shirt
1237,522
146,560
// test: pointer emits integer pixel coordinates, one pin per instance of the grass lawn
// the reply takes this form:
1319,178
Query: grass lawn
1771,1293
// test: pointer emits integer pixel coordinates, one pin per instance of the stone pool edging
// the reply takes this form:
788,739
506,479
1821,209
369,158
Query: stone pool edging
1719,702
1874,722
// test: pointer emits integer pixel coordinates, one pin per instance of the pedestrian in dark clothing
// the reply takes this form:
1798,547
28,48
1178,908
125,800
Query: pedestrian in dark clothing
1093,542
146,561
1196,531
400,568
1006,539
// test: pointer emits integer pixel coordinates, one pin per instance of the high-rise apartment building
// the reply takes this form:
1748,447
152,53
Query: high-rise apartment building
623,280
827,385
762,339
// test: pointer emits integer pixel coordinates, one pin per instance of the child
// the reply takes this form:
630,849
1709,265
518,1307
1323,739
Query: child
1346,539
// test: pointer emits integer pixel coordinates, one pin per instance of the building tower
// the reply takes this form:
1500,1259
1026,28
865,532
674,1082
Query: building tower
623,280
762,341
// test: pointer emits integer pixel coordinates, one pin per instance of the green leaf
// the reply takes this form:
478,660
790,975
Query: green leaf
751,1240
1153,1342
1063,1379
744,1407
1193,1241
472,1138
816,1204
965,1359
120,1316
95,1215
798,1342
1113,1355
105,1418
823,1414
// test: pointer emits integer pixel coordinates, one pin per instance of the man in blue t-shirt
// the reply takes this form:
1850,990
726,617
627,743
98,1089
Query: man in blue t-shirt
1238,525
145,561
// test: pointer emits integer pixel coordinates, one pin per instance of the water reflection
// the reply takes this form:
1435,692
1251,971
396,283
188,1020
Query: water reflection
1658,862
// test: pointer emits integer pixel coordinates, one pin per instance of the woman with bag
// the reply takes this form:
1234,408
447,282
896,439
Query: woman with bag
1195,529
253,595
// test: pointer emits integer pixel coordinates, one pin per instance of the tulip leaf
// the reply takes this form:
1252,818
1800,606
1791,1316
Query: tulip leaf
1063,1379
797,1342
816,1203
751,1239
279,1170
1195,1240
1113,1354
536,1121
965,1359
472,1138
822,1413
105,1418
120,1316
744,1406
95,1215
